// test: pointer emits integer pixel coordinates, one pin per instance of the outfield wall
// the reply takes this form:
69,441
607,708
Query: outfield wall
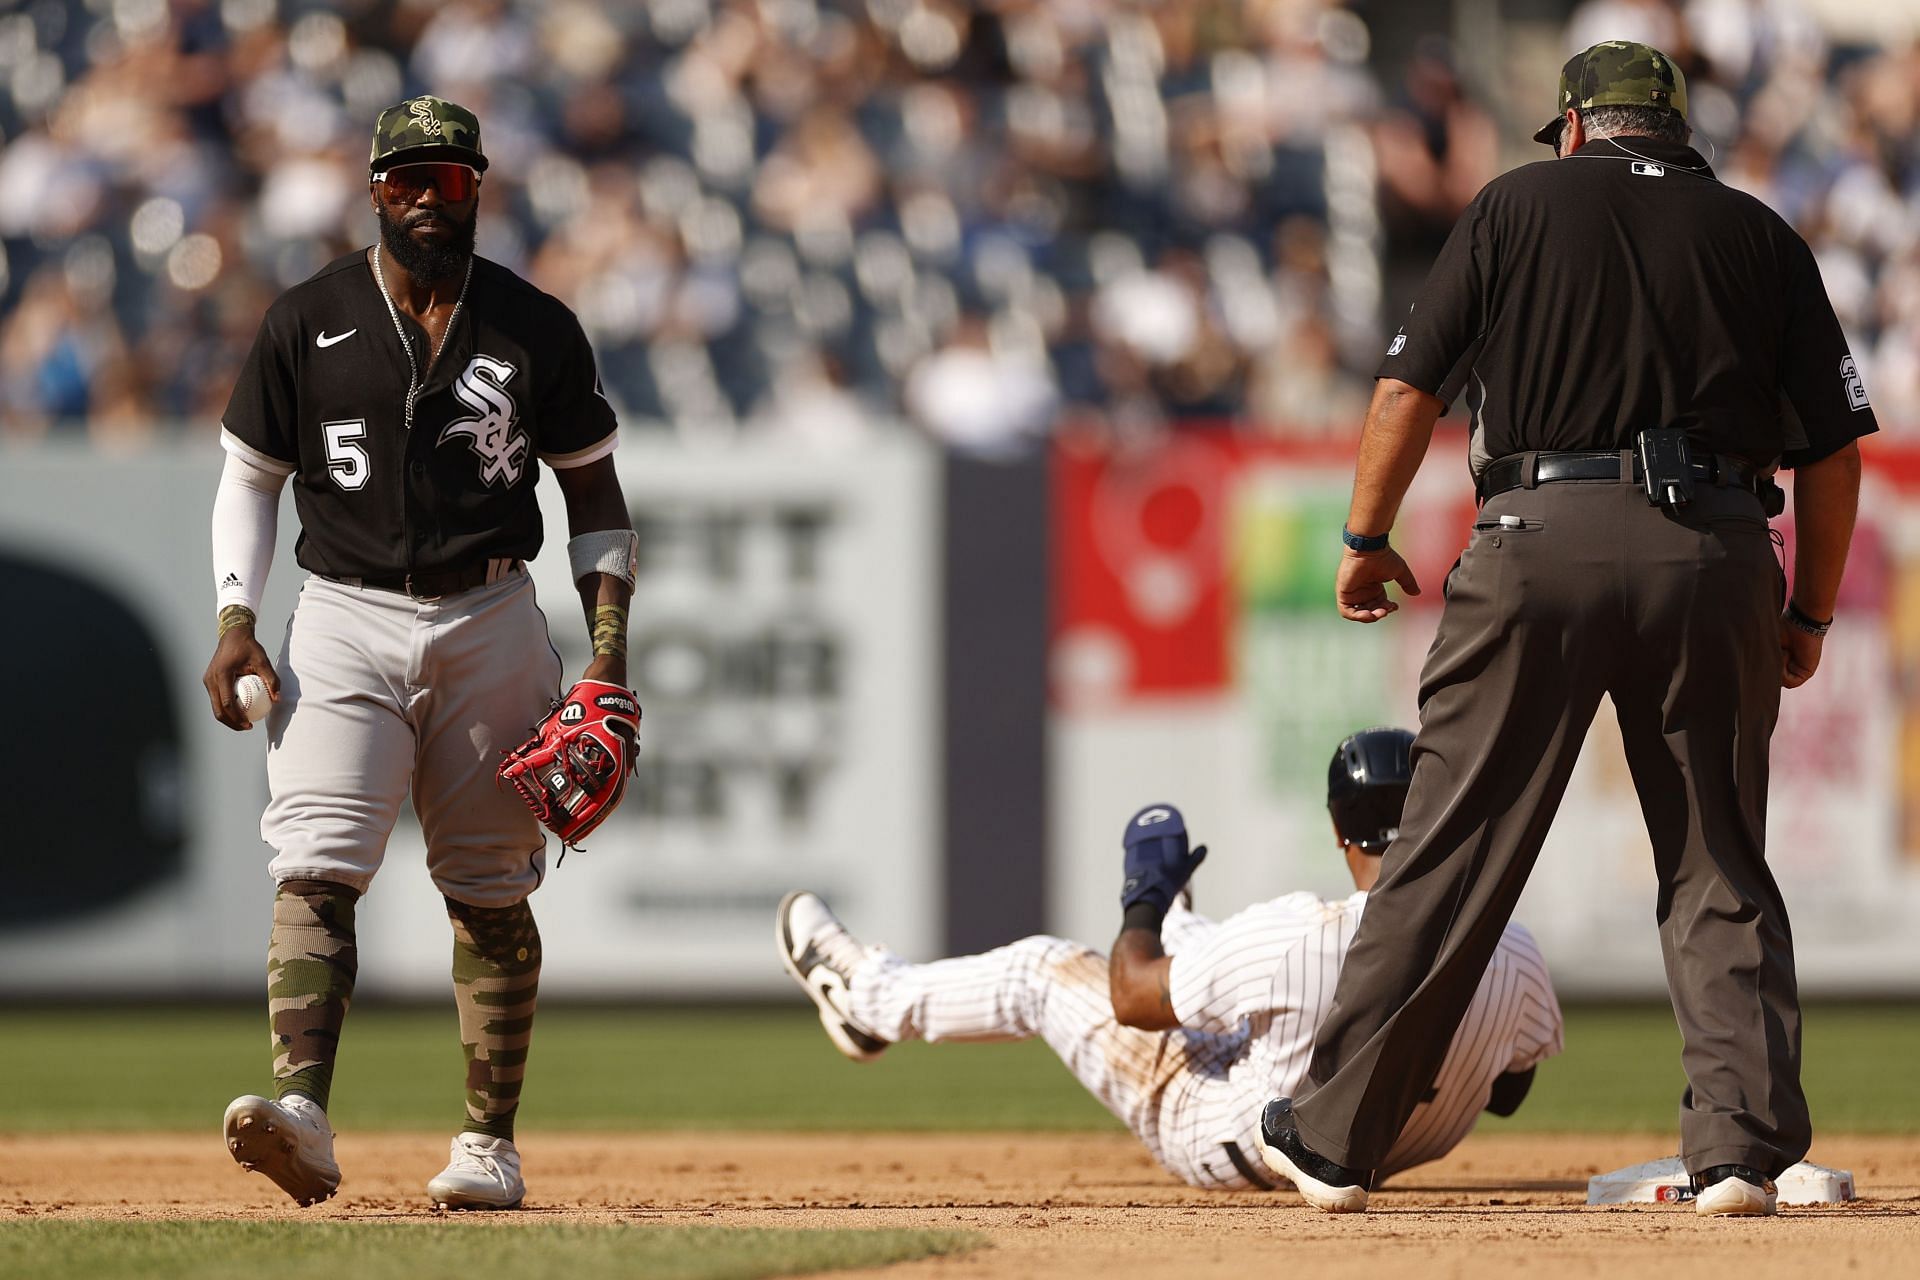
1197,659
783,646
840,661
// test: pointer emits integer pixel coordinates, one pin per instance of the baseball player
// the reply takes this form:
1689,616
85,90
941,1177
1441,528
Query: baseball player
1193,1023
410,389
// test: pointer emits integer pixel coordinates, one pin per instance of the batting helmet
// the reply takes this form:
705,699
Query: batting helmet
1367,786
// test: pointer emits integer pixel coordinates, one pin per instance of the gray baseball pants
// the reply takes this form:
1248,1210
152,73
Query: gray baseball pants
381,693
1675,617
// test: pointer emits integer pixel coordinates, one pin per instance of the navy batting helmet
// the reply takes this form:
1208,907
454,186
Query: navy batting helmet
1367,786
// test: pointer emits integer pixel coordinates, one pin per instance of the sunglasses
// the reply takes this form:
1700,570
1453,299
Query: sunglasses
403,184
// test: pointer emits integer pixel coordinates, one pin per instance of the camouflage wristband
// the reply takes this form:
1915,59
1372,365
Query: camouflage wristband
234,615
610,631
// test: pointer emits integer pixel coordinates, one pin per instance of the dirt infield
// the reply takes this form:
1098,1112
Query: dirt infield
1055,1206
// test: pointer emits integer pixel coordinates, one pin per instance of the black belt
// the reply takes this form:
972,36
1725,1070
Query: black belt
441,582
1510,472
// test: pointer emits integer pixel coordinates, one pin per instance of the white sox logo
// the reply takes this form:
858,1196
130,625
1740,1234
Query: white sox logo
502,450
423,116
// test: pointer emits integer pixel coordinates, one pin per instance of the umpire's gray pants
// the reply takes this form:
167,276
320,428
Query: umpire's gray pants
379,692
1675,617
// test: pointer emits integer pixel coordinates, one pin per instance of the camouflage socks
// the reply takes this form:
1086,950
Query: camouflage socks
496,975
311,963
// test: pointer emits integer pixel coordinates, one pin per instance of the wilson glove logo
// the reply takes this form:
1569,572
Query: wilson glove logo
573,714
616,702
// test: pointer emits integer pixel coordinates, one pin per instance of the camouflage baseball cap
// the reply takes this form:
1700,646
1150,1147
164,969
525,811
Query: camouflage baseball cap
426,128
1617,73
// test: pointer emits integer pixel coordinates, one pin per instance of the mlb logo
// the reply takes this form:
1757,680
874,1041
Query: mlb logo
1648,169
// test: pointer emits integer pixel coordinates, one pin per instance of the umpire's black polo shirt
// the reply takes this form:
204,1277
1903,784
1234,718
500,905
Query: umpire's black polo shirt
323,398
1582,300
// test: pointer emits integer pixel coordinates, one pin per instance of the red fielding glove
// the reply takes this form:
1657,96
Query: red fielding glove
573,770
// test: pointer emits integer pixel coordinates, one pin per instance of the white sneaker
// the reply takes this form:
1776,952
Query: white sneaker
821,955
1733,1196
289,1141
481,1173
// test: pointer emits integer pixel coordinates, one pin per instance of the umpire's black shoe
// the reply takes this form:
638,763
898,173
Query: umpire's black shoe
1734,1191
1322,1183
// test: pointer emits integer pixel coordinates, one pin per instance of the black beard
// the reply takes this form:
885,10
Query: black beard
427,263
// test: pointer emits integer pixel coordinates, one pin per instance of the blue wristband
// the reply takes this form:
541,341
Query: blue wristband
1361,541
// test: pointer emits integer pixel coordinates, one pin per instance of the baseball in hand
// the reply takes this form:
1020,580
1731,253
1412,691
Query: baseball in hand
251,693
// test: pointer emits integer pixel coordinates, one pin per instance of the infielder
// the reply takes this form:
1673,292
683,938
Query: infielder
409,389
1193,1023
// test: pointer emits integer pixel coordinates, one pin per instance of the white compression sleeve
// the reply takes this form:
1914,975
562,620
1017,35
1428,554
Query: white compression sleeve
246,512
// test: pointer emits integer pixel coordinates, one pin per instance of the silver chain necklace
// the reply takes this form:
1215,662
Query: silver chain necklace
416,379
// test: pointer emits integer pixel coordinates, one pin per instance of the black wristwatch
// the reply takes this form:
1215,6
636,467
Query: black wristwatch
1798,617
1362,541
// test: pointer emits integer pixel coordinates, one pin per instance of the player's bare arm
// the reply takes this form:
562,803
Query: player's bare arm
236,653
1139,974
595,506
1398,429
1826,497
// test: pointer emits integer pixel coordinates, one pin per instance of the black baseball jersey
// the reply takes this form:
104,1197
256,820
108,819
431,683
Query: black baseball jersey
1580,301
323,398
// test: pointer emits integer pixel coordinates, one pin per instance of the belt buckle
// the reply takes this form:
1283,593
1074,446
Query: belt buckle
412,595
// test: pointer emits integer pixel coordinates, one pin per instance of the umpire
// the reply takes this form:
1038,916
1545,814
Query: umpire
1640,346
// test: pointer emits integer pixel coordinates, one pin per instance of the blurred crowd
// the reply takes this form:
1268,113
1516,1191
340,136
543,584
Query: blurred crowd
818,218
1828,135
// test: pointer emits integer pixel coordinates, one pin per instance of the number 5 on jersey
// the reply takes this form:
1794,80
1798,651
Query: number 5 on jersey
346,460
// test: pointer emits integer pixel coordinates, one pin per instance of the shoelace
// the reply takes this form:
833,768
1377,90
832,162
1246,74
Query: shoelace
471,1161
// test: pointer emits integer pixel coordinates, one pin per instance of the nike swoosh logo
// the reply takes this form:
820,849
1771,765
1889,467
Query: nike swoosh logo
324,341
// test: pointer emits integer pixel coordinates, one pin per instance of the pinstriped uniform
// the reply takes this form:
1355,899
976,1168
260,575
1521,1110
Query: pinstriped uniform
1249,991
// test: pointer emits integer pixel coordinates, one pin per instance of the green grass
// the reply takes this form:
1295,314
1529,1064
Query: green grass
1621,1071
597,1069
424,1251
614,1070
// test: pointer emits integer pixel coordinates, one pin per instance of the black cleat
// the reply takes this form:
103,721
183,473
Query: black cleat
1322,1183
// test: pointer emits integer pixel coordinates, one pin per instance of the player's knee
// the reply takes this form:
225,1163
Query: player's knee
506,938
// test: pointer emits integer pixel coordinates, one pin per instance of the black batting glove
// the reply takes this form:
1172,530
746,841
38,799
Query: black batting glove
1158,862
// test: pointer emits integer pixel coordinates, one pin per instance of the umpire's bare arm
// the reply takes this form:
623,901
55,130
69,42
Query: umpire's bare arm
1826,496
1398,430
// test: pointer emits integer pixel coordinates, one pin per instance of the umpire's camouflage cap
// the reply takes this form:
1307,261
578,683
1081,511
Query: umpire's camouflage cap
1617,73
426,128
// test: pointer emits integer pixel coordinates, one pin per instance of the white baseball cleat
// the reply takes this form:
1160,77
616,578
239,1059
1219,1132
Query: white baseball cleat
290,1141
482,1173
821,955
1732,1191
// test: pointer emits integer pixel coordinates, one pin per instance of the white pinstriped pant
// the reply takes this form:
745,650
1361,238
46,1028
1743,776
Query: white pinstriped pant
1169,1087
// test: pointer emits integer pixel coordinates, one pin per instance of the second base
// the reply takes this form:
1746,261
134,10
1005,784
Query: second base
1666,1182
